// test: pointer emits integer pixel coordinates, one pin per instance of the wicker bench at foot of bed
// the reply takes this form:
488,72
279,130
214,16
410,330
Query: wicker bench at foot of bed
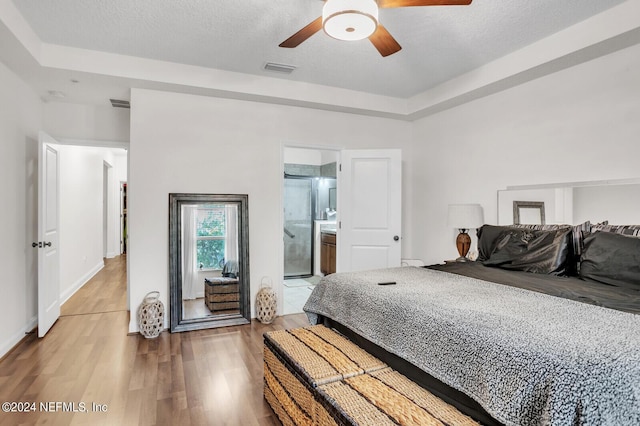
386,397
297,361
315,376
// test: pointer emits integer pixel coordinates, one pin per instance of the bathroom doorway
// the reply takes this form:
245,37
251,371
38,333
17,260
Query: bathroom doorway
309,208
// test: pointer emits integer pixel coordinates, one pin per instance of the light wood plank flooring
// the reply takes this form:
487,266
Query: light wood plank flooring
202,377
105,292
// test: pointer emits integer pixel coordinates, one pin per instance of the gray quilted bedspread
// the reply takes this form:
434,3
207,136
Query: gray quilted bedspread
528,358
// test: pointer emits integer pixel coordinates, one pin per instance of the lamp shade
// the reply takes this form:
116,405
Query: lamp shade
465,216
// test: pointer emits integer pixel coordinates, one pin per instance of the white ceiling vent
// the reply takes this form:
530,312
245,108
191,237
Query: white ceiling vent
281,68
117,103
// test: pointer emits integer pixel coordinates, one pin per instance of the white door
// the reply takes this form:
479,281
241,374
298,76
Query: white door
369,209
48,237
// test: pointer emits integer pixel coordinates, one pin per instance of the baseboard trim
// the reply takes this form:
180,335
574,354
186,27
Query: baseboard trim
16,339
66,295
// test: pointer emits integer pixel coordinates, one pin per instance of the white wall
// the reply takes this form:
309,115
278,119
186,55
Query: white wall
579,124
186,143
86,122
81,170
20,120
312,157
618,204
328,157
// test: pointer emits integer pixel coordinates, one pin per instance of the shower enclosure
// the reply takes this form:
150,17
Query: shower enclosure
306,199
299,208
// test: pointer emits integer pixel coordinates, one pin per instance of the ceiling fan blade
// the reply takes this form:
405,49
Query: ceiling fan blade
407,3
384,42
303,34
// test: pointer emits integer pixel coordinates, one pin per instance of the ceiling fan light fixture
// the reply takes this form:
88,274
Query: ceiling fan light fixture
350,19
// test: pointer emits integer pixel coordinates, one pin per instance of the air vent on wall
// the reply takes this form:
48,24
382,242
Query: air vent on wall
117,103
282,68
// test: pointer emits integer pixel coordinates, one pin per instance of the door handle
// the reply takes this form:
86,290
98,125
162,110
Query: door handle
396,238
34,245
47,244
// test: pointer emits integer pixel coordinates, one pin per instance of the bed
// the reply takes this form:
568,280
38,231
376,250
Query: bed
504,344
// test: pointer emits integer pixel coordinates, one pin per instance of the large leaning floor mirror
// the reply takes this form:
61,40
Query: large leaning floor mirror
208,261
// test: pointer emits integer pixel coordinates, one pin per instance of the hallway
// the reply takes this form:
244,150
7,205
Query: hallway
105,292
103,376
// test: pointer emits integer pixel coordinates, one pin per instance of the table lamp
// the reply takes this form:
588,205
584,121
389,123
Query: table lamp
464,217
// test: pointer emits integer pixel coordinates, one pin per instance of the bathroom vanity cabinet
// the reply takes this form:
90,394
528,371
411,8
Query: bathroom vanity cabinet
328,253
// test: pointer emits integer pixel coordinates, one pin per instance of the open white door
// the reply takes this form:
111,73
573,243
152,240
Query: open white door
370,209
48,236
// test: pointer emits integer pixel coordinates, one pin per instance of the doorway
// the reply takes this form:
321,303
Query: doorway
87,214
309,185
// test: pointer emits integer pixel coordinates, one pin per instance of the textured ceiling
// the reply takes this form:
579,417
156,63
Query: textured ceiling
439,43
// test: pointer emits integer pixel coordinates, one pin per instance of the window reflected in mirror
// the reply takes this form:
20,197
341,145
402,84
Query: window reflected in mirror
210,268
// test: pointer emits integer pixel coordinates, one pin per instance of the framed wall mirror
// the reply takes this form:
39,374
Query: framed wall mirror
528,212
208,261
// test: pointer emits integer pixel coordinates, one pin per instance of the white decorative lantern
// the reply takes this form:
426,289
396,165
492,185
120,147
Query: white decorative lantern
151,315
266,302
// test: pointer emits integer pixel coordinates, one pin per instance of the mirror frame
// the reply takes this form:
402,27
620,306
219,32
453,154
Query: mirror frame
534,205
176,201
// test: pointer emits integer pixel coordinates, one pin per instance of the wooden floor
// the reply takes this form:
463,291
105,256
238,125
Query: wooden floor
197,308
105,292
201,377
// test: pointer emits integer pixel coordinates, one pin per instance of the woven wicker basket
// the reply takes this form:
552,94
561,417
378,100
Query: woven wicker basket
151,315
266,302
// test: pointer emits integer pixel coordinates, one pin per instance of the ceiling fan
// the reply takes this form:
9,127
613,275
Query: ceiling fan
358,19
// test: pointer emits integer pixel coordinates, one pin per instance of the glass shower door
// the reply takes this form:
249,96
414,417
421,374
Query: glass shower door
298,226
